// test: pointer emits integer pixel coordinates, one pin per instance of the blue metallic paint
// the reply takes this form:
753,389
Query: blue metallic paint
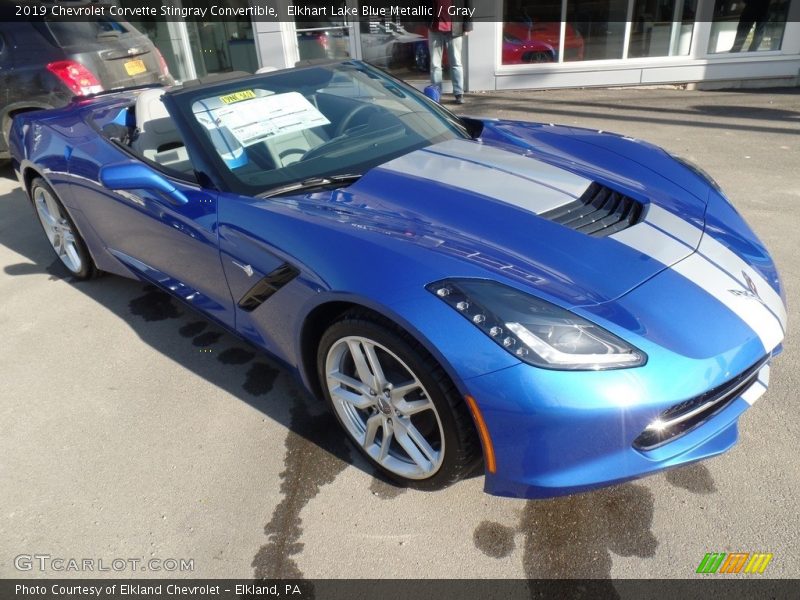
553,432
131,175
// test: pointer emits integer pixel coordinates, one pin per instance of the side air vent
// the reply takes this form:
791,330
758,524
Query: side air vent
600,211
266,286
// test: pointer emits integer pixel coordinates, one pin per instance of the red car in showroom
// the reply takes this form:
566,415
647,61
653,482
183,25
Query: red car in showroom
522,43
547,32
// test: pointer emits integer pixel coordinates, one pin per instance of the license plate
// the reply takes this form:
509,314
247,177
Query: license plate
135,67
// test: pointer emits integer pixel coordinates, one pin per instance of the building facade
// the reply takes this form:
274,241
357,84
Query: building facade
523,43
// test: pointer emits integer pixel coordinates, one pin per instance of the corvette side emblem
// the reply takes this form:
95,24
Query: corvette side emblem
246,268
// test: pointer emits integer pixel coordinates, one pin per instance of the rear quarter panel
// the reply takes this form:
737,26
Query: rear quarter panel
43,144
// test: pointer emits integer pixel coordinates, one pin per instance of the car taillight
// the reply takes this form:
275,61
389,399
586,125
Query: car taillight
162,63
80,80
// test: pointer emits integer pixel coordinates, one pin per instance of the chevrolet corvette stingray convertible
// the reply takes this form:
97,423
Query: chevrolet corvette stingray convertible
566,307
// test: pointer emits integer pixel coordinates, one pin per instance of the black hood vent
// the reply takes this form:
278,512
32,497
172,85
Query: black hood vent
600,211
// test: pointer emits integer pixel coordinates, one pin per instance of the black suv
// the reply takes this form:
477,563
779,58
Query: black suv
44,63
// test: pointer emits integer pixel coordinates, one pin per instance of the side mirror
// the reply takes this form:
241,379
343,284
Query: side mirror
474,127
133,176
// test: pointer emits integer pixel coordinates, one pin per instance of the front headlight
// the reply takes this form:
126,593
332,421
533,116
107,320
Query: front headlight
535,331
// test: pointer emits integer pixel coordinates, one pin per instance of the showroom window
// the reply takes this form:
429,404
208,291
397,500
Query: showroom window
531,33
748,25
661,28
196,48
321,37
397,46
600,25
595,30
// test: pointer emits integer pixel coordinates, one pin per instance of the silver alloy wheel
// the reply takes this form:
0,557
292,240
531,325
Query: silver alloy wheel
385,407
58,229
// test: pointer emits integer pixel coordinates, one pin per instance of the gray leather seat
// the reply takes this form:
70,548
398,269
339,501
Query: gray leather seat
157,137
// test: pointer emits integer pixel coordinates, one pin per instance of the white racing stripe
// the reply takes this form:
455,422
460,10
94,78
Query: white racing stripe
719,254
662,236
674,225
481,179
654,243
516,164
711,278
714,268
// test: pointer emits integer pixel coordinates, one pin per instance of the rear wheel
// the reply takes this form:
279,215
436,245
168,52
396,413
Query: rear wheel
61,232
396,403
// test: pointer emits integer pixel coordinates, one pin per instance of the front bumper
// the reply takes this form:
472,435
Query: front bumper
555,434
702,321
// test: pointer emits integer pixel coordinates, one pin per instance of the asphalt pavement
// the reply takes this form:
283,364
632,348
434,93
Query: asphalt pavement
130,427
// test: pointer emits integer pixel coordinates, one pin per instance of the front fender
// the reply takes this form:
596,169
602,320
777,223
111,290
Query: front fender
462,350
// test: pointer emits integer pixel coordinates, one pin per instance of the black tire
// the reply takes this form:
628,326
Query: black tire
461,445
87,269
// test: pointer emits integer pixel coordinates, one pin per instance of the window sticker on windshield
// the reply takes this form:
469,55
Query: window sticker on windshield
237,96
257,119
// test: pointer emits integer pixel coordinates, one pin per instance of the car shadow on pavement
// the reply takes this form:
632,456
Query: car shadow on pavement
207,351
578,536
6,172
316,449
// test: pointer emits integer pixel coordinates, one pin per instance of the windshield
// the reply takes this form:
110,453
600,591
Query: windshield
270,131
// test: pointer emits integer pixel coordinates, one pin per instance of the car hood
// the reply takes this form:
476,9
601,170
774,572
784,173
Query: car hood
482,204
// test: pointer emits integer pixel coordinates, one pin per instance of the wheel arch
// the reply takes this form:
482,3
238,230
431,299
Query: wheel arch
12,111
29,173
327,312
316,322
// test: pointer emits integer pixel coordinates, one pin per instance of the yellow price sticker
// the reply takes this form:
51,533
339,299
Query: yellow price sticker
238,96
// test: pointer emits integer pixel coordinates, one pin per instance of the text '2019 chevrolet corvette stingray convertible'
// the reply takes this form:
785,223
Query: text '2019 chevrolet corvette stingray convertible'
570,307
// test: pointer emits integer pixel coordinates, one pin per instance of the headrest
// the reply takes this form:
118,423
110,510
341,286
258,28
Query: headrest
150,108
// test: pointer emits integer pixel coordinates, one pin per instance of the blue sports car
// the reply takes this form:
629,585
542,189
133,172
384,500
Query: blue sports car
569,308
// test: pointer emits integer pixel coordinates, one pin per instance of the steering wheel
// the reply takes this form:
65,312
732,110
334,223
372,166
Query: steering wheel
348,119
322,149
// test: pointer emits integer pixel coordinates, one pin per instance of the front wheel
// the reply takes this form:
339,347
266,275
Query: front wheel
396,403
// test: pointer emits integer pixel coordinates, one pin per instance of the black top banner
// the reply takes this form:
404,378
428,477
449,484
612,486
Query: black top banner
320,13
332,12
